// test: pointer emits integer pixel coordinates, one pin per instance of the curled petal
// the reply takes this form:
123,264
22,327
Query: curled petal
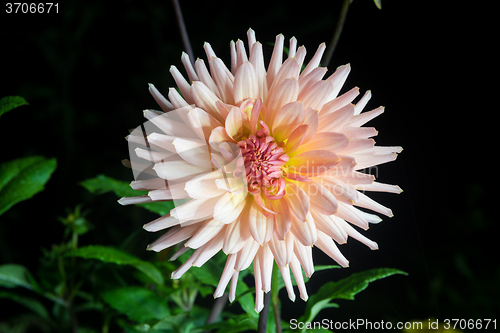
261,227
326,244
245,83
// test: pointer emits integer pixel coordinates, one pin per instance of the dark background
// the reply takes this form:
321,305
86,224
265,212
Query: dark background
85,71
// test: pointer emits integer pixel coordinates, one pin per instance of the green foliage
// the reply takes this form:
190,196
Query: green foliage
13,275
11,102
137,303
113,255
378,3
22,178
103,184
344,289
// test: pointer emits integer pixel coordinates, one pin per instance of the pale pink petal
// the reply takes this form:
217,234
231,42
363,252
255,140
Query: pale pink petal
247,254
357,145
172,192
285,93
208,50
176,99
351,214
205,77
175,235
257,60
338,78
287,119
210,249
304,255
356,235
134,200
177,170
229,207
266,267
251,38
183,85
300,56
327,245
245,83
307,81
359,132
321,199
148,184
363,118
207,232
261,227
285,274
232,48
313,163
204,186
195,209
296,138
160,99
379,187
199,117
326,224
162,141
362,102
340,101
366,161
259,294
177,274
276,59
356,177
223,78
226,275
218,136
297,273
237,235
189,67
283,218
234,124
331,141
304,232
316,59
316,96
152,156
342,191
282,250
241,54
297,201
195,152
163,222
367,202
206,99
292,49
312,120
170,126
334,121
232,288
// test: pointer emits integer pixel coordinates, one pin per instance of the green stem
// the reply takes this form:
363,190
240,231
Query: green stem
262,325
338,31
275,298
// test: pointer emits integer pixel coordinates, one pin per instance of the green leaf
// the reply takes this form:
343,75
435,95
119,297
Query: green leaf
30,303
11,102
344,289
112,255
13,275
103,184
137,303
22,178
378,3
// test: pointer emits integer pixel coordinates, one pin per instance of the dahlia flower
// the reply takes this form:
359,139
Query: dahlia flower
261,164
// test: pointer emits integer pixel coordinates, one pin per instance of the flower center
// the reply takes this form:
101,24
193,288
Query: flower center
263,161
